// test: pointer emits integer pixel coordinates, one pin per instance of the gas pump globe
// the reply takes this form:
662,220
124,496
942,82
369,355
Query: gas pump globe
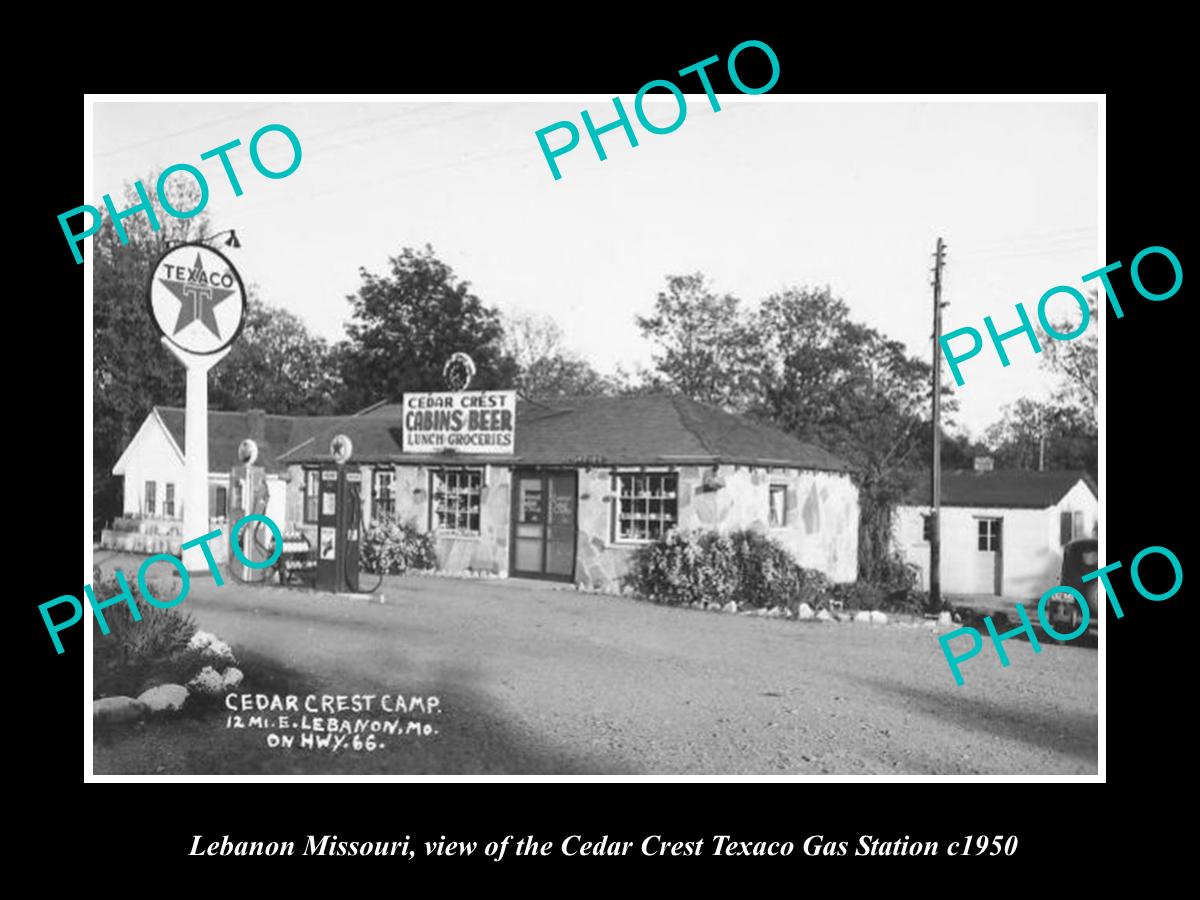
339,520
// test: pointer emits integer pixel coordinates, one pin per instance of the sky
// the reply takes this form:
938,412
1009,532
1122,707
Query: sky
768,193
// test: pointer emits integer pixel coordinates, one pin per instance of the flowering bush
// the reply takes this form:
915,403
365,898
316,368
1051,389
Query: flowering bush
391,548
710,567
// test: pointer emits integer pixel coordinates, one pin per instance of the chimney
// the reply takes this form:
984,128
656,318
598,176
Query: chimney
257,419
983,463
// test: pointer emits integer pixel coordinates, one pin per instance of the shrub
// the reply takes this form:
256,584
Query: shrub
896,573
135,653
858,595
914,601
712,567
391,548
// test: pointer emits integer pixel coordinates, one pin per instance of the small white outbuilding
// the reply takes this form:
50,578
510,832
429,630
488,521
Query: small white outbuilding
1002,531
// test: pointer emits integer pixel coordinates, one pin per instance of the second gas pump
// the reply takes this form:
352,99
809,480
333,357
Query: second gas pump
339,521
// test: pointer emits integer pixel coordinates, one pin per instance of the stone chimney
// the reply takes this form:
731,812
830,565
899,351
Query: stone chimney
984,463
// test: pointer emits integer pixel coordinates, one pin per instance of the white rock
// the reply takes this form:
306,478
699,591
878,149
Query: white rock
878,618
823,616
930,624
730,607
862,616
218,650
200,640
164,698
804,611
207,681
945,618
114,710
774,612
231,678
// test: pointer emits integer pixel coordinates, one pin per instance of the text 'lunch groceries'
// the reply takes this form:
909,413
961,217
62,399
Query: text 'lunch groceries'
466,421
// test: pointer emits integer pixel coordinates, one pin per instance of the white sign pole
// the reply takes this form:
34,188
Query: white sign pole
195,452
197,301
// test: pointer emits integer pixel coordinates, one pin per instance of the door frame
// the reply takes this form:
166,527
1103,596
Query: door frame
544,475
998,558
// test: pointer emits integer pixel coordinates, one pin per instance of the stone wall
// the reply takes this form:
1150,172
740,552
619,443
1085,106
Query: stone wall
486,553
820,527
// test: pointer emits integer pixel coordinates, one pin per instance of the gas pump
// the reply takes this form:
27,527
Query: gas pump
339,521
249,494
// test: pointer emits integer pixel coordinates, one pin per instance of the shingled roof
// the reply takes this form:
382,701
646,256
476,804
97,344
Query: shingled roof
644,429
1018,488
228,429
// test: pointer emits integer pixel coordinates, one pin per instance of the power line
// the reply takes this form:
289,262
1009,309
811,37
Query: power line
1058,234
363,141
371,182
162,137
1044,251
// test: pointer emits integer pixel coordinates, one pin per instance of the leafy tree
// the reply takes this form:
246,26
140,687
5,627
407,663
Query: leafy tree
276,365
848,388
1033,435
132,371
407,323
545,368
1076,361
1063,433
958,450
640,381
703,343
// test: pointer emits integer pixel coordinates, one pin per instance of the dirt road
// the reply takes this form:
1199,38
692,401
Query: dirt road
539,681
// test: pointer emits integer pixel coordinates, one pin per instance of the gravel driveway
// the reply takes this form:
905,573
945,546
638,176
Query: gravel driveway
537,680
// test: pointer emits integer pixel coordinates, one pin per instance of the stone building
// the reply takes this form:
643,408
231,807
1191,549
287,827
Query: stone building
585,482
588,480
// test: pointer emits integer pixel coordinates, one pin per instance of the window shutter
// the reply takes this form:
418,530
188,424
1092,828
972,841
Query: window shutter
1064,528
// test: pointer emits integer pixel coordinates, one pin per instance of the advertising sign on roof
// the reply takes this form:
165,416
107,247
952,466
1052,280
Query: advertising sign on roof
460,421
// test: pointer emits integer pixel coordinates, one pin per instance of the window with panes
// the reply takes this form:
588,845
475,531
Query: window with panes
455,500
383,503
989,534
647,505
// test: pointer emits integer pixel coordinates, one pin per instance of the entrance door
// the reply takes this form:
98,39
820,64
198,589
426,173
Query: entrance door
544,510
989,557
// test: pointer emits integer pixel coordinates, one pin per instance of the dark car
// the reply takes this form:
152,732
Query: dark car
1081,557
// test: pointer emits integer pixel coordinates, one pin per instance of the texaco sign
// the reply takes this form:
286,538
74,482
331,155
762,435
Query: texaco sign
196,299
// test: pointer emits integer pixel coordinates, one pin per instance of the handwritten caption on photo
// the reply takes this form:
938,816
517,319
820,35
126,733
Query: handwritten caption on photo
359,722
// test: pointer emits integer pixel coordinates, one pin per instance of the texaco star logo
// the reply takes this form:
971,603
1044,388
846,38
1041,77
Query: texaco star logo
196,299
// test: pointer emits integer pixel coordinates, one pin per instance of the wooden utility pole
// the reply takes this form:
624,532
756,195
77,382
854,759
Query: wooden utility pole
1041,440
935,537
